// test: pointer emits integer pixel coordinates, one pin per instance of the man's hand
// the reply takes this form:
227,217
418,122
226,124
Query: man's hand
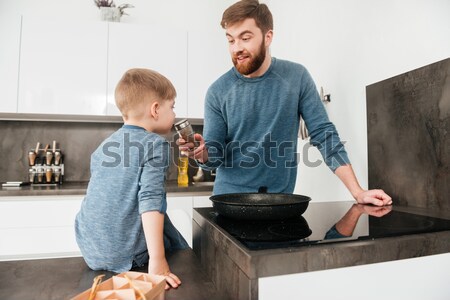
375,197
375,211
189,149
161,267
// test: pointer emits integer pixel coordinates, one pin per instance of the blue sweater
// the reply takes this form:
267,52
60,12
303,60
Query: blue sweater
127,179
251,128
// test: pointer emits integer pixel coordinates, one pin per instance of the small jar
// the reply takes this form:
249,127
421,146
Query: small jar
48,174
31,174
57,157
48,157
40,174
31,158
184,129
57,173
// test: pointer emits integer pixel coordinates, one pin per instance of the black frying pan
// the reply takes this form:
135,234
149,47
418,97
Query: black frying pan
260,206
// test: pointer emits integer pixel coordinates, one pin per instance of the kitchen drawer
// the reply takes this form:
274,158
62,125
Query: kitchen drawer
202,201
42,211
37,241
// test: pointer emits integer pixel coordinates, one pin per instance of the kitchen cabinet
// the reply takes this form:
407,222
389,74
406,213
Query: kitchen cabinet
401,280
38,226
208,59
201,201
179,210
143,46
9,62
63,67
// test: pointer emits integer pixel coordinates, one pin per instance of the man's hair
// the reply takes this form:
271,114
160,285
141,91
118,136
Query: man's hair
247,9
139,85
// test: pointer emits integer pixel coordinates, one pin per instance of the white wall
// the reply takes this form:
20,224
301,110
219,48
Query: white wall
345,44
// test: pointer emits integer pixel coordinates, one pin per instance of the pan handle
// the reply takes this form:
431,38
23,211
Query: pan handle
262,189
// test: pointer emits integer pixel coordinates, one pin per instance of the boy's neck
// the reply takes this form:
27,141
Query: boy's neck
138,123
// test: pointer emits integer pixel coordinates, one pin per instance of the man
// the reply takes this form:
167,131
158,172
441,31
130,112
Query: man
252,115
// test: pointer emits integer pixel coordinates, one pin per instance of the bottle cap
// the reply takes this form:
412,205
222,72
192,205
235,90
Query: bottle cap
182,124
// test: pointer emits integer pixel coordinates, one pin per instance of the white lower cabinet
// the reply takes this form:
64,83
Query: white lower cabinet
43,226
179,210
414,279
201,201
38,226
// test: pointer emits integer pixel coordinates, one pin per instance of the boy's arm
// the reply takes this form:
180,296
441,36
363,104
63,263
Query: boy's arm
153,224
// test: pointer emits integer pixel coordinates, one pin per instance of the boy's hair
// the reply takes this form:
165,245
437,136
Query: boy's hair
139,85
248,9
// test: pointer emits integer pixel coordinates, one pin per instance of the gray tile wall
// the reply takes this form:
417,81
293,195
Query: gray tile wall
408,122
77,141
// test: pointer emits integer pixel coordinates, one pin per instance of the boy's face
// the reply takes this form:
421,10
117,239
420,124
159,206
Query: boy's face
166,116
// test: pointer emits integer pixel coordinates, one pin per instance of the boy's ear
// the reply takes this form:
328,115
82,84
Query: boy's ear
154,110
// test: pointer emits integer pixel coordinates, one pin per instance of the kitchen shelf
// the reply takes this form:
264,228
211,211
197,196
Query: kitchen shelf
74,118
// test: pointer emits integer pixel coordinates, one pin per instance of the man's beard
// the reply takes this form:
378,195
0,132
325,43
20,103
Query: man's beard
253,64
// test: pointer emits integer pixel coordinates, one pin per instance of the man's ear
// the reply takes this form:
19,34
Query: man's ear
154,110
268,38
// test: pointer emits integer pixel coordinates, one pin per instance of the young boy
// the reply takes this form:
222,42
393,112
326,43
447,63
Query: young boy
122,222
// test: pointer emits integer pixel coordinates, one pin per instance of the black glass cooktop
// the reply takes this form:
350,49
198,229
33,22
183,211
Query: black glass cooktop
326,222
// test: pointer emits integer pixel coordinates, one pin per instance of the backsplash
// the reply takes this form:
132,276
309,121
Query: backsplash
77,141
408,123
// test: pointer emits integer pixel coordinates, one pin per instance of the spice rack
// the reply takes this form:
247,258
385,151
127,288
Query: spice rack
46,165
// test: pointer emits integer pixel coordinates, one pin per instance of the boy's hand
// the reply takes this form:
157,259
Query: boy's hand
161,267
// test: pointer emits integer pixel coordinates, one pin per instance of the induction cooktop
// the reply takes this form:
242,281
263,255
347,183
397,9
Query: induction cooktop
327,222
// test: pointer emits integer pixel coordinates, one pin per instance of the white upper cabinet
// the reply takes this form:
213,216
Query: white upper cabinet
143,46
9,62
208,59
63,67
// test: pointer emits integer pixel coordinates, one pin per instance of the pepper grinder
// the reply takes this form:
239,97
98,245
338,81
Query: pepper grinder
57,157
48,157
31,157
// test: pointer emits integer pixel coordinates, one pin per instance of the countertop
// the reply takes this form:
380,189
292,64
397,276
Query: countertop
79,188
63,278
219,251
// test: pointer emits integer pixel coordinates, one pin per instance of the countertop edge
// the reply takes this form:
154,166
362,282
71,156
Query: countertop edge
80,188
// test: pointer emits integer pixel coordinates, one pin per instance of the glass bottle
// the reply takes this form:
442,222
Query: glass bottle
184,129
183,163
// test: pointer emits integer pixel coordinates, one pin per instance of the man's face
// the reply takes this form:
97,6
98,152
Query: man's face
247,46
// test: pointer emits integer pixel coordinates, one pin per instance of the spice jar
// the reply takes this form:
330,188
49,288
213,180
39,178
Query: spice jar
32,174
184,129
40,174
48,174
57,173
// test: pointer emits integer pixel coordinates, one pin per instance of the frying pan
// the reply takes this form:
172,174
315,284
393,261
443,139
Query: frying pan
260,206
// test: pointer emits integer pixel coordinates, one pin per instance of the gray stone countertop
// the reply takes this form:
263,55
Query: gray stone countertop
79,188
272,262
63,278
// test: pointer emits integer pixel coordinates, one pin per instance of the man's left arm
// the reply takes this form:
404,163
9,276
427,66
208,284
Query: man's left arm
376,197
